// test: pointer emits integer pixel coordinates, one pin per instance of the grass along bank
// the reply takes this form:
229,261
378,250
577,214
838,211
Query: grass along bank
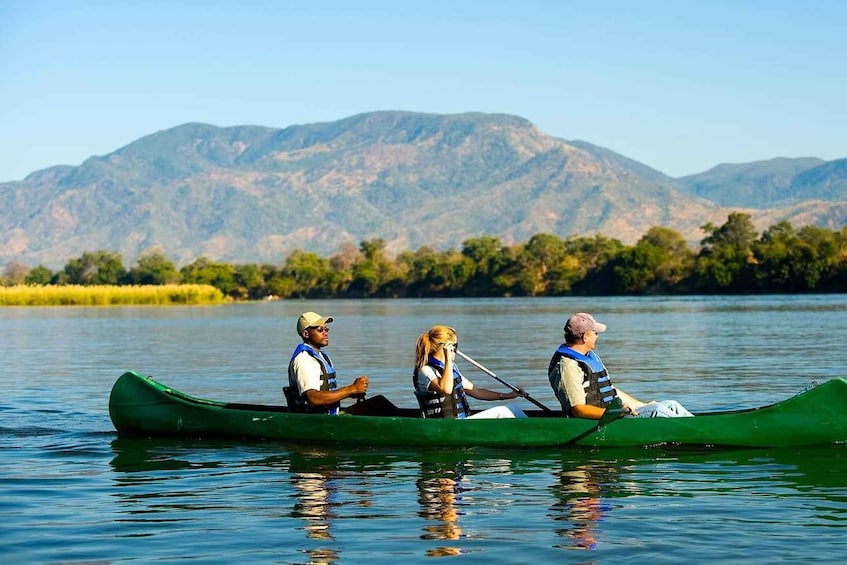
109,295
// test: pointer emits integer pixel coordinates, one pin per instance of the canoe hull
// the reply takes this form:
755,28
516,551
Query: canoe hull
140,406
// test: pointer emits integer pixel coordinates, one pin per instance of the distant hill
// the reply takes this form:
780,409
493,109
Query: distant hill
254,194
827,181
609,156
760,184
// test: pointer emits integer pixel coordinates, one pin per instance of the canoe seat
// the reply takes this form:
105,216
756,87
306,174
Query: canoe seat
289,398
420,398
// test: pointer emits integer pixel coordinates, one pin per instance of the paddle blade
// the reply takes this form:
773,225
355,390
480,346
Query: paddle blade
613,411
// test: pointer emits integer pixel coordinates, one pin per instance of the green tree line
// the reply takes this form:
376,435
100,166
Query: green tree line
732,259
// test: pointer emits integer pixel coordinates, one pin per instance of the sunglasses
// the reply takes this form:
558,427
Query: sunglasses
320,329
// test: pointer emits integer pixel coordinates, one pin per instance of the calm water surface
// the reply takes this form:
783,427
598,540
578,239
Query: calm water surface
71,491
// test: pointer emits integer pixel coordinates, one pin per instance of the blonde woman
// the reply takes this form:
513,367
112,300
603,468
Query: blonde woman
441,389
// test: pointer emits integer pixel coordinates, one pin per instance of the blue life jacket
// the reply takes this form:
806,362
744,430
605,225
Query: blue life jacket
599,390
327,381
436,405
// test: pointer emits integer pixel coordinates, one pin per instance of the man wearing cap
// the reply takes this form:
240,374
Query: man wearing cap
311,375
581,381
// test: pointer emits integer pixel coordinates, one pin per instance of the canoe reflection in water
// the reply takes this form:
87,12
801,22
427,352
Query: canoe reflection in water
441,488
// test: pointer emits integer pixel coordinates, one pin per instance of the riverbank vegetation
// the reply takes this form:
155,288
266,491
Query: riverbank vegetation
109,295
731,259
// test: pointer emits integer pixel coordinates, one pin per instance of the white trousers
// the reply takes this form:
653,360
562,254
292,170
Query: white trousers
662,409
509,411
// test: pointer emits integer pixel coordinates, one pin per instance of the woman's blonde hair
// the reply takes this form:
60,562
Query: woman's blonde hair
432,341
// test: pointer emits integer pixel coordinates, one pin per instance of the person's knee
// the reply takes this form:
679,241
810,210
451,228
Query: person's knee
675,408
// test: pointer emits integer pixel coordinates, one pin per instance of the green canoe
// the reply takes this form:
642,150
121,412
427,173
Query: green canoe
140,406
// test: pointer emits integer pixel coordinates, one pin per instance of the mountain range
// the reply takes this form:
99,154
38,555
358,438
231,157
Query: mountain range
251,194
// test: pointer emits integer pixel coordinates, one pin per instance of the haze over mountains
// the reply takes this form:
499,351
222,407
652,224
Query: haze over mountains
250,194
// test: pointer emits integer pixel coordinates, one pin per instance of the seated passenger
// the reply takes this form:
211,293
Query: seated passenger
581,381
441,389
311,375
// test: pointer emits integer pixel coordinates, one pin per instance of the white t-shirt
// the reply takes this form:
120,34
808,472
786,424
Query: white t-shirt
307,371
430,373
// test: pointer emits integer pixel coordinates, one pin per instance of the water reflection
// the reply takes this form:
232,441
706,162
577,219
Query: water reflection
68,493
581,505
165,480
441,488
329,505
137,455
582,493
317,494
316,491
589,488
331,485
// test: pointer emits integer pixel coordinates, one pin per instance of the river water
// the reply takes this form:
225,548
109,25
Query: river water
71,491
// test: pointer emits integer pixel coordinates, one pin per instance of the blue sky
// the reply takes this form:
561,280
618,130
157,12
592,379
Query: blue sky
680,86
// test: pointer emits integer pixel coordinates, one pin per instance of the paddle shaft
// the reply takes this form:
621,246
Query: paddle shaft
498,379
608,418
613,412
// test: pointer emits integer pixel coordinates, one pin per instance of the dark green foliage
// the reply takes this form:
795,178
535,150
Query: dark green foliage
431,273
636,267
731,260
658,264
39,275
373,274
219,275
726,258
594,269
788,260
488,257
537,266
154,268
99,267
305,275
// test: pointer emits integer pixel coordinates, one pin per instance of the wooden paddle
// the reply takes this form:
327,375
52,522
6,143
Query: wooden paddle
498,379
